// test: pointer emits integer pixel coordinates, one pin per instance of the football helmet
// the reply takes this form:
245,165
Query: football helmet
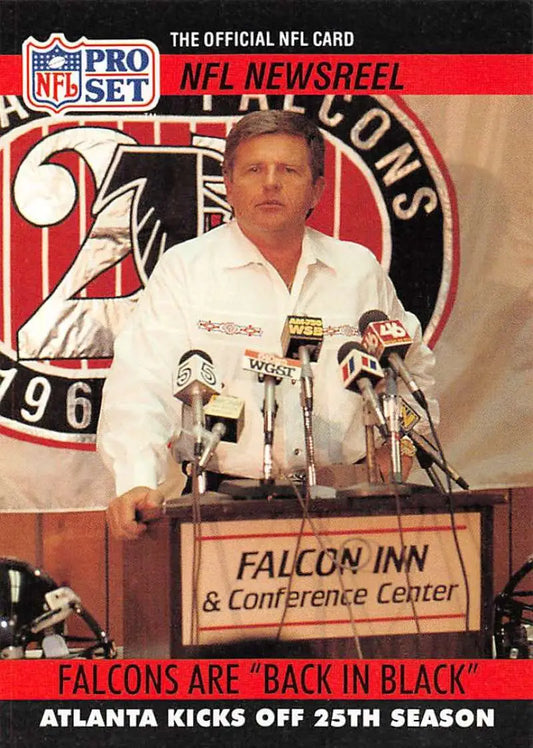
513,617
33,611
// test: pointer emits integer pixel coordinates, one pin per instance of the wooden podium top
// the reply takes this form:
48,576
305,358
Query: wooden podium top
216,506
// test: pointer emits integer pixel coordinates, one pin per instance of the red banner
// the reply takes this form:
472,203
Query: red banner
328,74
484,680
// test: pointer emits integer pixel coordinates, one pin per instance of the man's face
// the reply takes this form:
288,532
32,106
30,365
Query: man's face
271,188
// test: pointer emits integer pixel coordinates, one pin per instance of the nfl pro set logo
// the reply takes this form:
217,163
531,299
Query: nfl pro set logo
91,204
90,75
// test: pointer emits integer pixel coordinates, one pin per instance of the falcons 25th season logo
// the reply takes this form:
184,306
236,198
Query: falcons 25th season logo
90,203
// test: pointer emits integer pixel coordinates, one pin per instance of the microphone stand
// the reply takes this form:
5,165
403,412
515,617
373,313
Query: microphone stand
426,462
372,486
198,488
313,491
197,475
371,464
198,420
391,408
306,399
267,487
269,416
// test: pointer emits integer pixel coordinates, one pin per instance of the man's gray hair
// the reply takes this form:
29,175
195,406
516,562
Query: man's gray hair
272,122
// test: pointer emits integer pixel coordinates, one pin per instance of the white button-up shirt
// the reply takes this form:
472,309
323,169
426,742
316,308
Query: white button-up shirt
218,294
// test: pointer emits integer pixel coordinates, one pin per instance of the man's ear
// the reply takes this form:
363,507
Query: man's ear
318,189
228,185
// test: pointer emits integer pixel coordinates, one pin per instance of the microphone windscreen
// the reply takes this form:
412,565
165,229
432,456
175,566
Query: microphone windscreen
346,348
373,315
194,352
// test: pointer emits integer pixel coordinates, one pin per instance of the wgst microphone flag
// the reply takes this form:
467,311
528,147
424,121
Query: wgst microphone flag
268,364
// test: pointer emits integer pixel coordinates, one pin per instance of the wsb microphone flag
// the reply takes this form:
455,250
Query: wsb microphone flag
301,331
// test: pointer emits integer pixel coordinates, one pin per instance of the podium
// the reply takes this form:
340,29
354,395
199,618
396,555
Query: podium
254,579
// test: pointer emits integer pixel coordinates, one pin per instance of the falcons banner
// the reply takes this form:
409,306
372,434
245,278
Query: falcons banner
91,201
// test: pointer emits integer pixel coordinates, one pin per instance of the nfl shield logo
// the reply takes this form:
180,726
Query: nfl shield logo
52,73
90,75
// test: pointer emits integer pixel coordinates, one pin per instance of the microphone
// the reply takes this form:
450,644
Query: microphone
224,419
389,341
360,372
429,450
301,338
270,369
391,411
228,411
196,382
426,452
270,365
301,331
213,439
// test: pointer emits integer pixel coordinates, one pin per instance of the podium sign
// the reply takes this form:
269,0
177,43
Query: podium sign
329,577
222,587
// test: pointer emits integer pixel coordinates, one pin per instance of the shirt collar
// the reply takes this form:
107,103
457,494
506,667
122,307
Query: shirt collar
241,251
313,249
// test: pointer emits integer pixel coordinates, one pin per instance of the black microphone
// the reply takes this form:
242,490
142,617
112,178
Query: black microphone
302,338
389,341
360,372
432,454
301,331
426,453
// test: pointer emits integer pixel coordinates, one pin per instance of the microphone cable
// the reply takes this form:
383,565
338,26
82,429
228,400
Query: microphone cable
196,556
306,517
407,574
406,569
451,508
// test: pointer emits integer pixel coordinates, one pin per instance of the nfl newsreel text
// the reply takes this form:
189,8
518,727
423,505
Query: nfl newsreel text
202,74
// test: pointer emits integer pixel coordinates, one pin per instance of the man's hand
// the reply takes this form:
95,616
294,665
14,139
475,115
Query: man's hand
121,511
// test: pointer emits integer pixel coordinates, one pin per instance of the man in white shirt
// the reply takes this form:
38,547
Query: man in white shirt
232,289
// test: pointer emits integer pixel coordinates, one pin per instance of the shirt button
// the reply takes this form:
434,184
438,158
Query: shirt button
297,451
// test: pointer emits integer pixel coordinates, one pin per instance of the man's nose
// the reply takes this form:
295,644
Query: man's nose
272,180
